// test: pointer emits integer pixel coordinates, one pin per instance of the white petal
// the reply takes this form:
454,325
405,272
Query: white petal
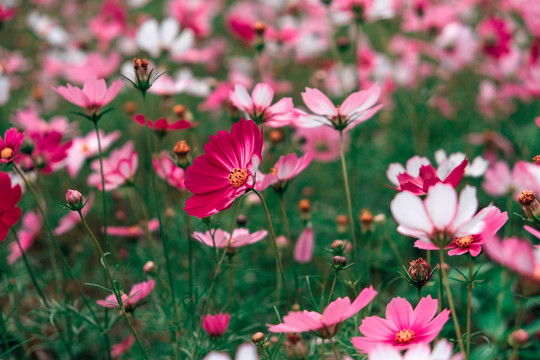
415,163
168,31
468,204
183,43
147,37
247,351
409,212
440,156
441,205
393,171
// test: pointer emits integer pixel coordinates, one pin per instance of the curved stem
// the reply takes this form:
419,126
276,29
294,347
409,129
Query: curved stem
115,291
348,194
274,241
336,272
451,301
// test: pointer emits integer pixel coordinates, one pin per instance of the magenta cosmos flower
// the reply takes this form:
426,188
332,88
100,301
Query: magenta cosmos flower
161,126
357,108
133,231
403,326
419,175
326,324
259,108
439,218
93,96
137,292
226,170
49,152
215,325
443,350
221,239
10,144
118,169
9,197
286,168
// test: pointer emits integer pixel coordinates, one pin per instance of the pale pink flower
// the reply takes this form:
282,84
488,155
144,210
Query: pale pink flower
137,292
93,96
443,350
123,347
196,15
403,326
357,108
440,217
530,9
167,170
118,169
94,65
499,181
215,325
69,221
323,145
327,323
29,120
304,247
221,239
286,168
456,46
533,231
31,226
134,231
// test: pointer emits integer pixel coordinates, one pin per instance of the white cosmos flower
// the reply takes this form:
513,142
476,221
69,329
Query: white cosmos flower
245,351
154,37
475,169
442,351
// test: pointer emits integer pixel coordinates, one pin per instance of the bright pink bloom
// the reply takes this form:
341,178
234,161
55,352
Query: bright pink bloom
403,326
328,323
286,168
259,108
86,147
215,325
69,221
357,108
443,350
226,170
496,36
243,15
420,175
10,144
118,169
169,171
530,10
303,250
122,347
161,126
5,13
516,254
196,15
137,292
221,239
73,197
9,197
110,23
29,120
134,231
49,151
94,94
493,220
440,217
323,145
498,181
31,226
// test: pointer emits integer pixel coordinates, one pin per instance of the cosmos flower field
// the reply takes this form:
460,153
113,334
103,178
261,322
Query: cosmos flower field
270,179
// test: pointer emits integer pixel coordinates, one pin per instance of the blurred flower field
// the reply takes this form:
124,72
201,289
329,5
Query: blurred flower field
270,179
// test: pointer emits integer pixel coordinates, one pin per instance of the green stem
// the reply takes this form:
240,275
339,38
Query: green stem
336,272
114,290
190,255
334,350
451,301
517,326
146,216
470,287
276,249
289,239
348,194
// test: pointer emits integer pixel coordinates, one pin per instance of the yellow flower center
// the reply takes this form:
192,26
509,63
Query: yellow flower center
404,336
464,242
237,177
6,153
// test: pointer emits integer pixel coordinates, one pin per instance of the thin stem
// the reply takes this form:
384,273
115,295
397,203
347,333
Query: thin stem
348,194
470,287
190,254
146,216
419,293
334,350
336,272
517,326
451,301
289,239
103,193
322,350
276,249
114,290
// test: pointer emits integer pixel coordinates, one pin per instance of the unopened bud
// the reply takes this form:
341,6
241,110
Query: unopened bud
518,338
295,347
536,160
149,267
182,152
339,261
74,200
419,272
342,43
276,136
130,107
241,220
141,68
258,338
340,246
179,110
529,203
366,220
304,205
37,93
342,222
259,27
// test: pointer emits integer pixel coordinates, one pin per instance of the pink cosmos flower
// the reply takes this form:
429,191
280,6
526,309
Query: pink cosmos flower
31,226
138,291
215,325
29,120
499,181
134,231
496,36
443,350
118,169
5,13
323,145
328,323
303,250
533,231
94,94
221,239
94,65
286,168
9,197
258,106
10,144
123,347
49,151
440,217
167,170
69,221
161,126
419,175
357,108
493,220
403,326
196,15
86,147
226,170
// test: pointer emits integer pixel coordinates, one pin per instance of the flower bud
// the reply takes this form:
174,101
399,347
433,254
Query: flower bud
295,347
338,247
258,338
276,136
74,199
215,325
241,220
179,110
518,338
342,222
130,107
305,207
149,267
342,43
339,261
529,203
536,160
259,28
182,152
366,220
141,69
419,272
